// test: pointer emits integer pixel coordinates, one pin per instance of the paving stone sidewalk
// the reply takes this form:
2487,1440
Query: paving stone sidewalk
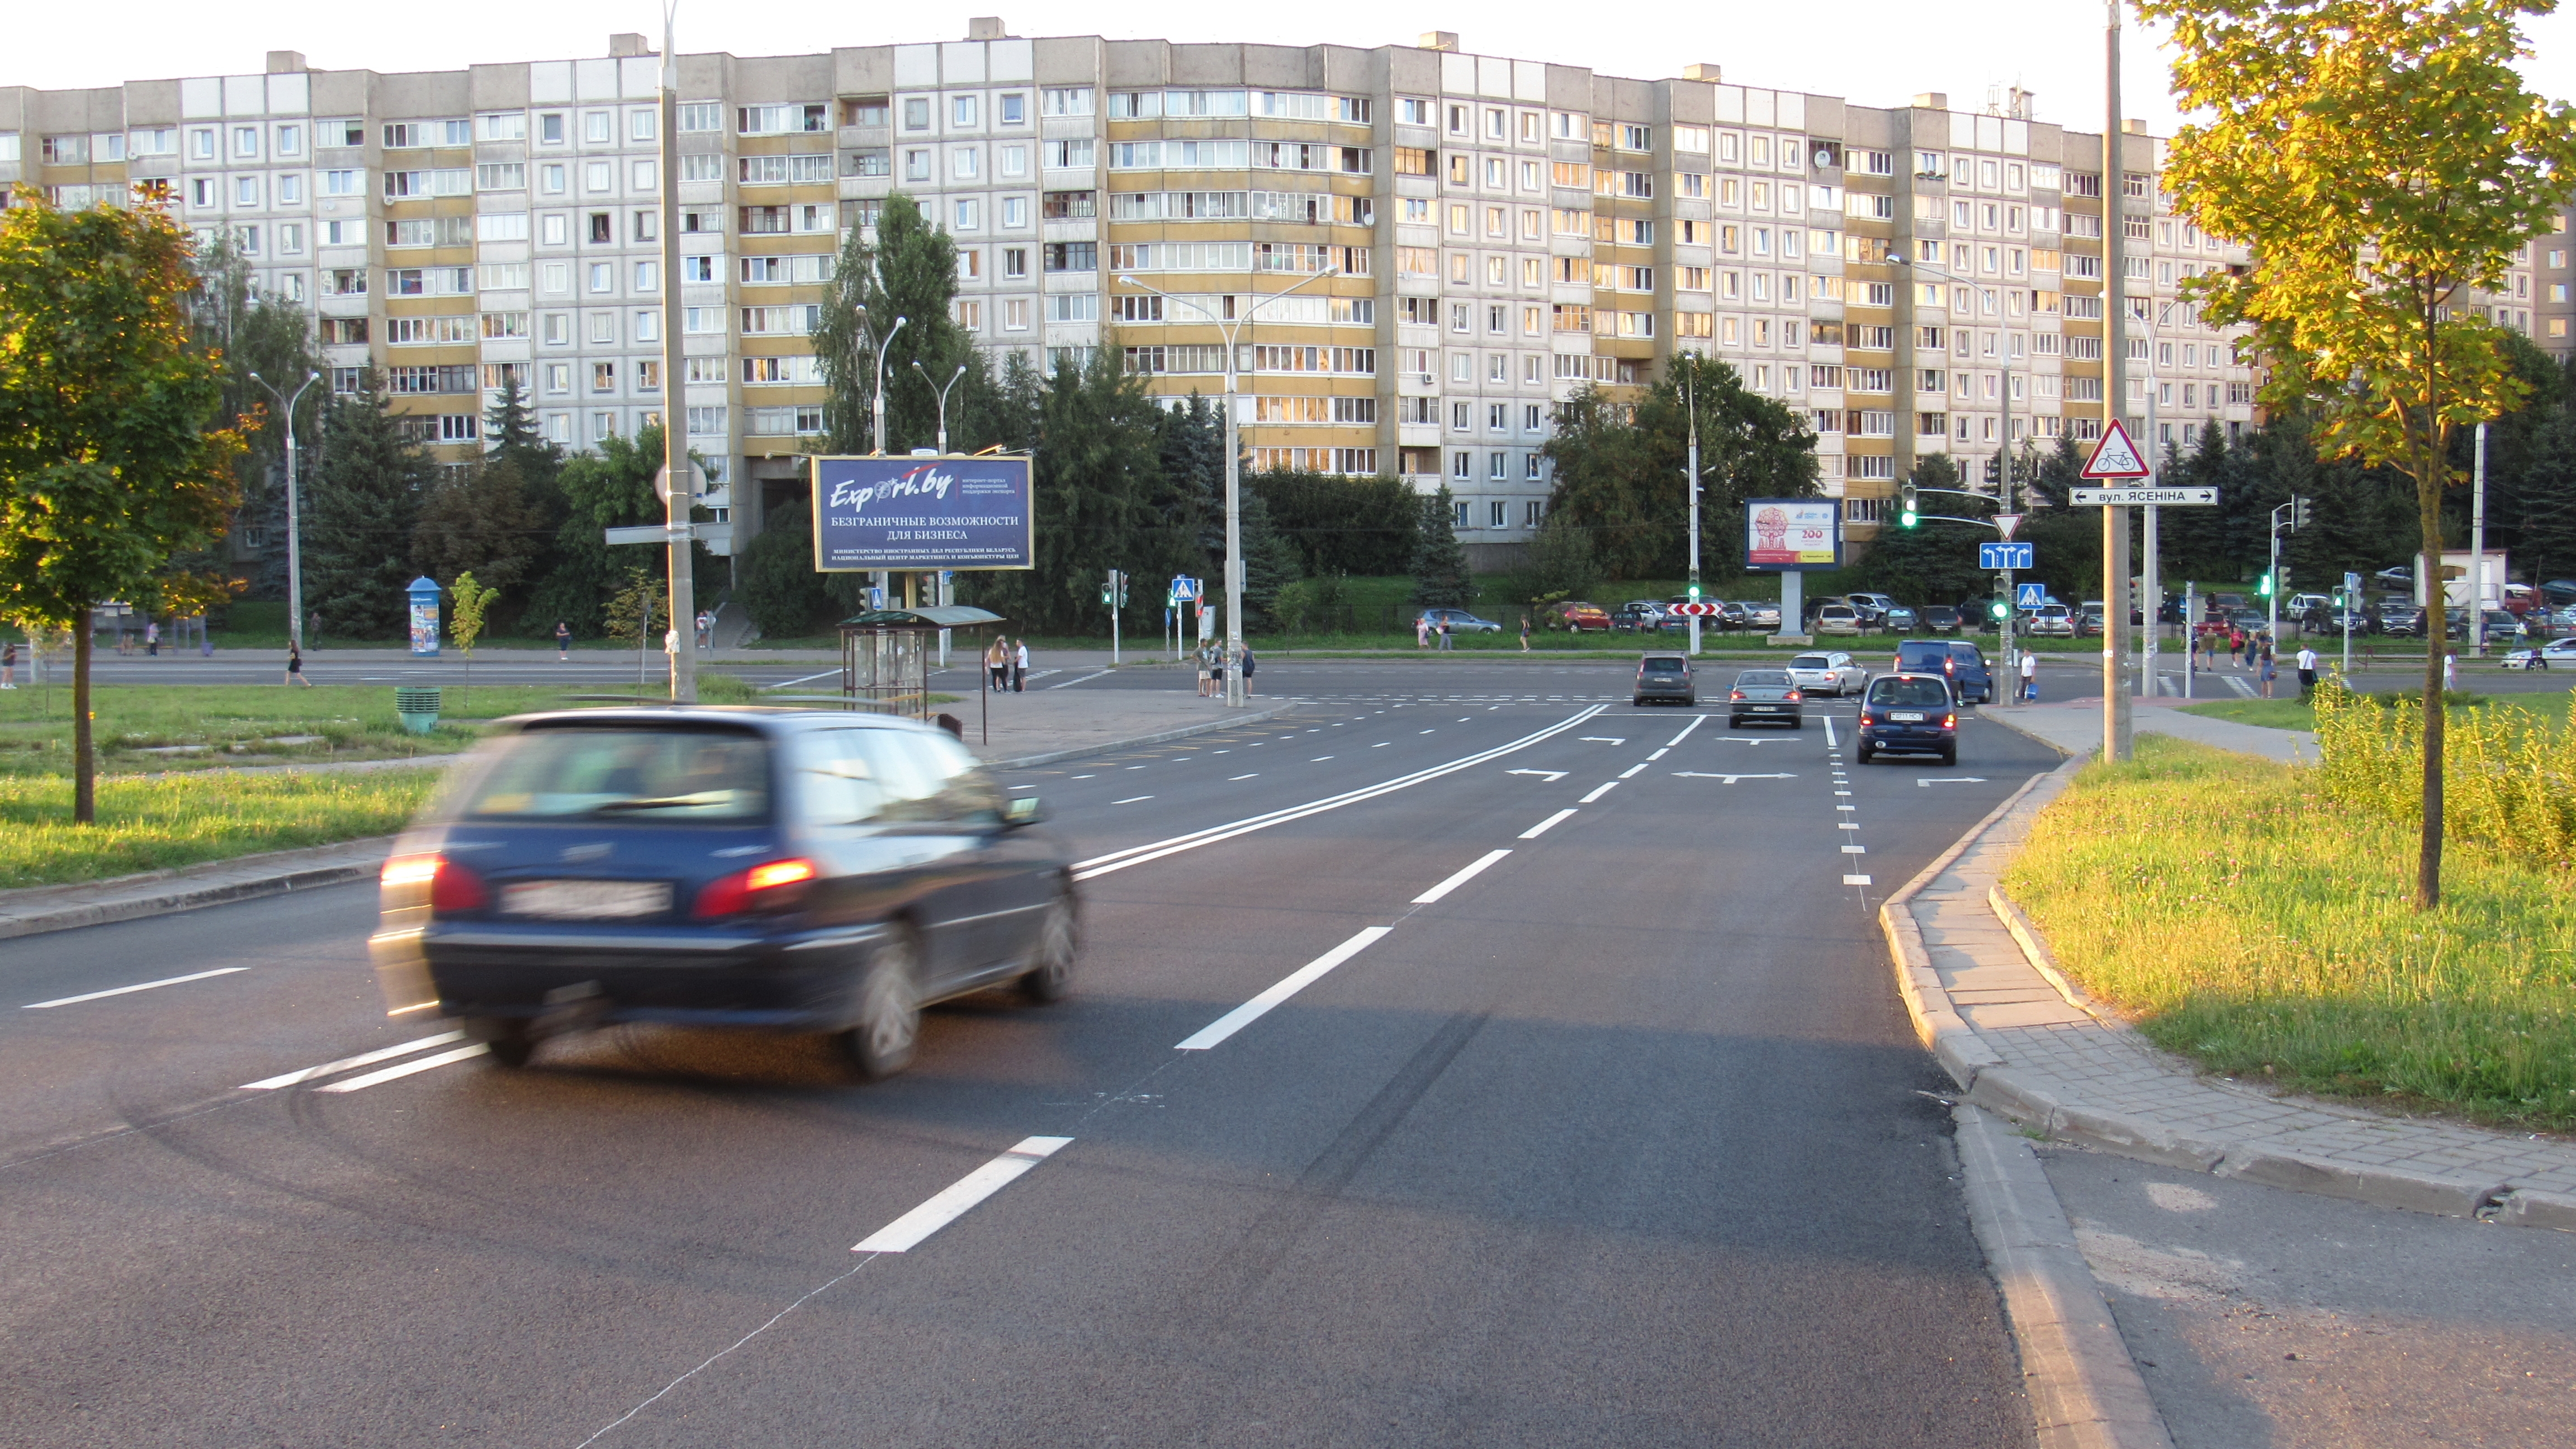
2024,1043
2075,726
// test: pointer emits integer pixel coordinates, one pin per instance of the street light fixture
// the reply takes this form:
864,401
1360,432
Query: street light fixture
294,527
877,401
943,400
1233,481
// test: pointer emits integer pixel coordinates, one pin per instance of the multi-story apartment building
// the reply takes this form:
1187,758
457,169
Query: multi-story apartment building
1478,237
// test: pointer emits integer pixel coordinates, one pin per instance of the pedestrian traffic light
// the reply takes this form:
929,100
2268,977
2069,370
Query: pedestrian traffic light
1908,515
2263,587
2298,512
1998,608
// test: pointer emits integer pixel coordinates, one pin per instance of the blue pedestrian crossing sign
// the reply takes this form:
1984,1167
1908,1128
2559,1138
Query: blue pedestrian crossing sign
2030,596
1184,589
2003,556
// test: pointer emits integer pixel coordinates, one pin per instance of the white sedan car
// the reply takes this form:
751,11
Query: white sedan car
2556,654
1834,674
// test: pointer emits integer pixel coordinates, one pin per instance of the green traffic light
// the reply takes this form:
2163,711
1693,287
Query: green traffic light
1997,607
2263,588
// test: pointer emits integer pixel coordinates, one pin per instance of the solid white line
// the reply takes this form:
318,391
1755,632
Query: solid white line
784,683
124,990
1696,721
1132,799
953,1201
1070,683
1288,986
1633,771
1830,742
1461,878
1319,759
271,1084
360,1084
1597,794
1230,779
1535,831
1139,854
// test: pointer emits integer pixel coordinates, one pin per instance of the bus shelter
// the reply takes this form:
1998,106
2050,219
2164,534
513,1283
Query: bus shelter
886,655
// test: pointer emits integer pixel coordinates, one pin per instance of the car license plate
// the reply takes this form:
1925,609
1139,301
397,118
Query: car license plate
586,900
1906,717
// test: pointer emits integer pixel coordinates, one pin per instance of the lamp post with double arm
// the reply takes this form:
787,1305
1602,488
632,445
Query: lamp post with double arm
294,524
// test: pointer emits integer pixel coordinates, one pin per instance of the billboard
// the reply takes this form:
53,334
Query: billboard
923,513
1793,534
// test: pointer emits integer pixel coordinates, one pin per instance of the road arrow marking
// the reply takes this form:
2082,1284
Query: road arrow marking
1951,780
1730,779
1552,775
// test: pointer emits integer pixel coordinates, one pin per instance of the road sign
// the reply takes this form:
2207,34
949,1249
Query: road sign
2030,596
2005,523
1699,610
2115,456
1184,588
2004,556
2133,497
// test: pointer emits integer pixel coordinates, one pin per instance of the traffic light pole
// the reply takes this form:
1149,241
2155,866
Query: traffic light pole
1693,410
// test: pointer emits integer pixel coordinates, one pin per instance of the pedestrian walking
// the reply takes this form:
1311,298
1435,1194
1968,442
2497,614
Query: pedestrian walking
295,665
2307,672
1444,635
1200,658
9,665
1020,668
706,629
1524,633
2029,675
2450,670
1249,665
993,665
1422,631
563,640
152,639
2268,671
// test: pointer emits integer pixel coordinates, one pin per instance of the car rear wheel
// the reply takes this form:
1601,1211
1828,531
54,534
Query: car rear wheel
1052,977
880,1042
1865,754
1797,721
510,1042
1949,754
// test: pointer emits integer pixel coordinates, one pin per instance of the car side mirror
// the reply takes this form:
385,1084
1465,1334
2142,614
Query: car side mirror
1024,810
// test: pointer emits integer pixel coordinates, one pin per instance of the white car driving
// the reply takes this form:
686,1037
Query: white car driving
2556,654
1835,674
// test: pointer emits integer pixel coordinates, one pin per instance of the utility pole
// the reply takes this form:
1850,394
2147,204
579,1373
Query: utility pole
675,428
2151,583
294,511
1689,403
2478,552
2115,521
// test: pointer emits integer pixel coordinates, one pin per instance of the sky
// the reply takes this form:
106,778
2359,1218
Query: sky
1873,52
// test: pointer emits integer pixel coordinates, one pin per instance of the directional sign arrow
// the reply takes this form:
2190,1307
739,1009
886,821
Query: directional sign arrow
1730,779
1551,775
1951,780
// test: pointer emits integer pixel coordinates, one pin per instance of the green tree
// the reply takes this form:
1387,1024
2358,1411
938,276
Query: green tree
478,518
249,333
634,611
1342,524
366,493
909,270
1935,561
1557,564
1097,467
2549,495
1270,562
780,588
114,455
1440,576
1619,471
467,602
1193,461
609,488
2378,159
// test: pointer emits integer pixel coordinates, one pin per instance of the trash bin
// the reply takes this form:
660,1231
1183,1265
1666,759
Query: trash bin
418,708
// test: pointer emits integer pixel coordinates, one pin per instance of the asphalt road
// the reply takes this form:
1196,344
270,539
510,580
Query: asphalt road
1620,1140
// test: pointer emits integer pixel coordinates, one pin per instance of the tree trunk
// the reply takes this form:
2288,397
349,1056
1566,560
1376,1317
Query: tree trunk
84,774
2437,637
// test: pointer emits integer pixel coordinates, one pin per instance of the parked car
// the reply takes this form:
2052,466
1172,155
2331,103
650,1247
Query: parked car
1637,616
1664,677
2402,616
2556,654
2400,577
2559,591
1762,615
1872,608
2223,604
1834,674
1908,714
1976,682
2050,621
774,871
2088,624
1939,619
1764,694
1836,619
1900,619
1581,617
2502,625
1459,621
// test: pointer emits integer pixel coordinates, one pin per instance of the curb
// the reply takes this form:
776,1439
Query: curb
1022,762
2084,1390
127,898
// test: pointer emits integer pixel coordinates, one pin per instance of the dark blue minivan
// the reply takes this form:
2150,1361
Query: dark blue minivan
727,867
1909,714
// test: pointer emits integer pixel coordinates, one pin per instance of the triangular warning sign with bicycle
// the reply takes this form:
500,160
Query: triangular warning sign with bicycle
2115,456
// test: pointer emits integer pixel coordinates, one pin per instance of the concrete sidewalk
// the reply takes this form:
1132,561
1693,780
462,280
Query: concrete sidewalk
2024,1042
2075,726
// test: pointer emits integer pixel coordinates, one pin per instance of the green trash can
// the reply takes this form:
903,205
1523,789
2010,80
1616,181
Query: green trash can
418,708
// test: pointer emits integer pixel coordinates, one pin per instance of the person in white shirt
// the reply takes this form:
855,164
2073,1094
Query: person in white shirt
2029,675
2307,671
1020,669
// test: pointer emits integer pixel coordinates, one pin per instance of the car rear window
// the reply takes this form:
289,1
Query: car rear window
610,774
1811,661
1921,653
1762,676
1910,693
1663,666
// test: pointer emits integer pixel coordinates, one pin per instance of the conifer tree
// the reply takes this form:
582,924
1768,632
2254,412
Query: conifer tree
366,497
1440,576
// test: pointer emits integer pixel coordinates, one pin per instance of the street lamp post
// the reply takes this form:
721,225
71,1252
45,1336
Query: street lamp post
294,523
942,391
682,495
880,578
1233,480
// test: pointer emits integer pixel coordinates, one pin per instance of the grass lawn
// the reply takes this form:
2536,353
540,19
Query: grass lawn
2269,934
157,824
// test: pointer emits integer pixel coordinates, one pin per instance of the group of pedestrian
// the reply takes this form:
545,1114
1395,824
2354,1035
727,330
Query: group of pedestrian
1214,659
1006,666
1429,633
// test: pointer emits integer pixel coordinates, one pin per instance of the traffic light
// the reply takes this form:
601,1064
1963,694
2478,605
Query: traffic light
1694,591
2298,512
2263,587
1908,515
1999,608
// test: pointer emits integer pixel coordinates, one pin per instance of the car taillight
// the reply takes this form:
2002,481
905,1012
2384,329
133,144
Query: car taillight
1793,696
1867,718
1735,694
1949,721
432,880
771,885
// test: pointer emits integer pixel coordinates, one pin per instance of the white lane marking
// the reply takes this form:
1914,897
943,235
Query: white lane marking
1842,792
1230,779
1597,794
1288,986
1461,878
1951,780
128,990
1094,777
1541,828
1696,721
1846,825
1382,744
1428,732
1659,754
1845,807
1135,767
1319,759
1070,683
1855,880
1132,799
954,1201
362,1059
1855,850
1730,779
1155,850
1830,742
784,683
405,1069
1633,771
1602,740
1551,776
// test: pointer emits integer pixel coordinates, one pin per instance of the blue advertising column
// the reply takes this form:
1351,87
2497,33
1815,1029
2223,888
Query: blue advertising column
424,617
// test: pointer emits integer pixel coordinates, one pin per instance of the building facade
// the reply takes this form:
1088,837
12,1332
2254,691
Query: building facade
1477,237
